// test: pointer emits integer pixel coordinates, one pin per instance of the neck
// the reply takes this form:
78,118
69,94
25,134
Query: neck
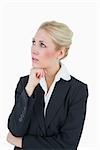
51,71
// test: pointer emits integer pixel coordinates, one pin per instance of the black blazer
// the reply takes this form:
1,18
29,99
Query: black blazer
62,126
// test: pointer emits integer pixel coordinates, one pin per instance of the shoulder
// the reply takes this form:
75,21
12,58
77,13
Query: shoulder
78,87
78,90
76,82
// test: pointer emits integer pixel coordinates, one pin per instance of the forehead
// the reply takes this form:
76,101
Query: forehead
42,35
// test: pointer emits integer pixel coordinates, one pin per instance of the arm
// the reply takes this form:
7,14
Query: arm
70,133
19,118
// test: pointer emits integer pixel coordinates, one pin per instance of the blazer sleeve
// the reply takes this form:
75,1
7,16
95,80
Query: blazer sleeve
19,118
70,133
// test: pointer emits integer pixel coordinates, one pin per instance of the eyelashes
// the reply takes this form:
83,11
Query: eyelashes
33,42
41,44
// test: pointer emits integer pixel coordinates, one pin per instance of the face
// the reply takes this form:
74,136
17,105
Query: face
43,50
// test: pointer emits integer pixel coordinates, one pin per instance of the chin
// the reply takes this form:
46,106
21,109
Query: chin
36,65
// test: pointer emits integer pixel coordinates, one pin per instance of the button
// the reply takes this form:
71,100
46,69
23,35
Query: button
20,119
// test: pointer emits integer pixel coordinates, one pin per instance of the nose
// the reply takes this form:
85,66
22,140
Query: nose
35,51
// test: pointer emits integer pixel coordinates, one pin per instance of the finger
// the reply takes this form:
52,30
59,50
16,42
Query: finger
37,74
45,71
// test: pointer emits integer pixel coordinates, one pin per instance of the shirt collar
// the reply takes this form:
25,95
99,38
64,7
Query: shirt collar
62,73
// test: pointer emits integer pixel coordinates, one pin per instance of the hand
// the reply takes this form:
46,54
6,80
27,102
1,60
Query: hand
17,141
34,78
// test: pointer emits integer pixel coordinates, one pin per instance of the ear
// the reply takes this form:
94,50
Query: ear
61,53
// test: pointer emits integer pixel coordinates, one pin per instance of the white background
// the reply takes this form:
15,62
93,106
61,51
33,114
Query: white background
19,21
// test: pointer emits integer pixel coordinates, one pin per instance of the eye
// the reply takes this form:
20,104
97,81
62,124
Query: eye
33,42
42,45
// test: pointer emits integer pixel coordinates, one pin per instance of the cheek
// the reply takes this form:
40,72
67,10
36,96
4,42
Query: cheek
49,54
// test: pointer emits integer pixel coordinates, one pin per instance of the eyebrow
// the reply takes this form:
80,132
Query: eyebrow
39,41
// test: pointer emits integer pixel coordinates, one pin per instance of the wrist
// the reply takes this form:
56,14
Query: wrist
29,89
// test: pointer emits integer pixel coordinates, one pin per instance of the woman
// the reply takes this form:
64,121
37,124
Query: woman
50,104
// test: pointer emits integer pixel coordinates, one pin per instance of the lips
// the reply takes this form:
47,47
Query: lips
35,59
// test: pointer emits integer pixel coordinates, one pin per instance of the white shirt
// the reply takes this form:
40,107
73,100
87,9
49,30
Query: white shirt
62,73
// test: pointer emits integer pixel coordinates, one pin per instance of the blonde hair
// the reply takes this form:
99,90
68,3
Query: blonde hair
60,33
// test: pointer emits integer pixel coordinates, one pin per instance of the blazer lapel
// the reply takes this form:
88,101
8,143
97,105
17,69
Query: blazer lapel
39,107
57,98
